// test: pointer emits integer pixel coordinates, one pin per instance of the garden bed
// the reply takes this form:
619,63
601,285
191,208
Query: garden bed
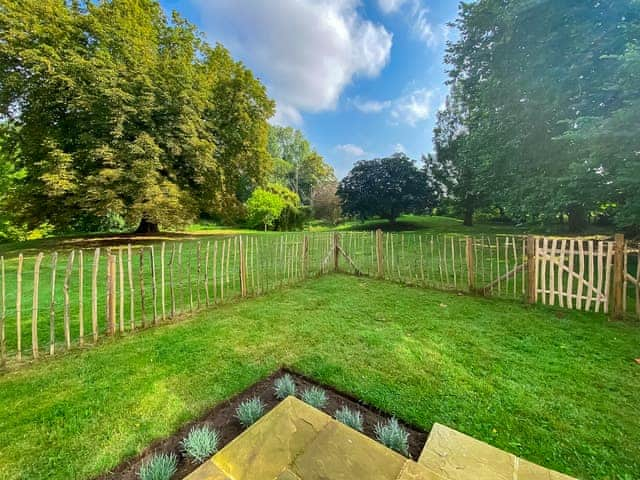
222,418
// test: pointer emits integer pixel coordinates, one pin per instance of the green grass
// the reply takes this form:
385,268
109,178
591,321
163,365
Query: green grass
437,224
202,229
558,388
272,261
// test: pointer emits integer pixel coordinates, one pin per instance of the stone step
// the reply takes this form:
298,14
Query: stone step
295,441
456,456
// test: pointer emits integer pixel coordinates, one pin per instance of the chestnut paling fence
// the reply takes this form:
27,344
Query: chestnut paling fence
62,300
599,275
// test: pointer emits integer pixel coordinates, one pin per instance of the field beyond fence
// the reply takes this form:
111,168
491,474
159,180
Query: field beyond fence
63,300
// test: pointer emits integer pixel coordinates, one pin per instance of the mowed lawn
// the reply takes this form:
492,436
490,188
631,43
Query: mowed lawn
558,388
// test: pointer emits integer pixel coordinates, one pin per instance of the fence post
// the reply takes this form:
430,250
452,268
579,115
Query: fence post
305,256
243,268
111,293
336,251
471,274
618,277
531,269
380,252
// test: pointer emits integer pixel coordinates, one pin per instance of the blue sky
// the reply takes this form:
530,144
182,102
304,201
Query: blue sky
361,78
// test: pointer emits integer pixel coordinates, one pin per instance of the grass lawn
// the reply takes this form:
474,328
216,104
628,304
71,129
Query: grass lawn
418,223
558,388
439,225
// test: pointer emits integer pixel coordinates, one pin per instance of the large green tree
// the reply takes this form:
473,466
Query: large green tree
385,187
297,165
537,82
122,111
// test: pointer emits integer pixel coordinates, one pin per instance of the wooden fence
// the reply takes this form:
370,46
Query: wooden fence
55,302
599,275
62,300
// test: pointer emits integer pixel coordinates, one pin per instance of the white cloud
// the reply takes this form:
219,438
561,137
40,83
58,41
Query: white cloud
399,148
417,16
390,6
410,108
307,51
351,149
286,116
413,107
422,27
370,106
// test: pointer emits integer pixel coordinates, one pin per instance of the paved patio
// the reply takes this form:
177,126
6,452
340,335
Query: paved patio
298,442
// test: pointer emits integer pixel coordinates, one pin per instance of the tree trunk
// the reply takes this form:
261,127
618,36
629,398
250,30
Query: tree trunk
147,227
577,218
468,217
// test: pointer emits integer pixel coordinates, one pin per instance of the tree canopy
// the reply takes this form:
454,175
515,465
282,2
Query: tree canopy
385,187
297,166
542,117
119,110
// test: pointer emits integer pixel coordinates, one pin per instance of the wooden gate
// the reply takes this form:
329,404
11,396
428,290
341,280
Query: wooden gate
573,273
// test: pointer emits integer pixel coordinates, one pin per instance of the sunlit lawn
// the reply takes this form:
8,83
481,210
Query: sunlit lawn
560,389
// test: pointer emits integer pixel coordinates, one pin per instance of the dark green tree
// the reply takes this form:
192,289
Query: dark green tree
536,81
385,187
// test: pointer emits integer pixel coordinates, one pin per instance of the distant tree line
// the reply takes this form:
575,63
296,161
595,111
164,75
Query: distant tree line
543,116
113,115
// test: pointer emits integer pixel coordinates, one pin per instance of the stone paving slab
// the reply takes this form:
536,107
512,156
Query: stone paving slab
456,456
270,445
208,471
297,442
415,471
342,453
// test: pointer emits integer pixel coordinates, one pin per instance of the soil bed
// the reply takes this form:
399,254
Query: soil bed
222,418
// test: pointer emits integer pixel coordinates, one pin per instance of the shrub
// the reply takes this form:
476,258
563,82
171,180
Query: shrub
285,386
394,436
351,418
314,396
201,443
161,466
249,411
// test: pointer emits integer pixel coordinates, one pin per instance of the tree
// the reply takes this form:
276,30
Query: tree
297,165
264,207
461,171
325,202
536,81
385,187
121,111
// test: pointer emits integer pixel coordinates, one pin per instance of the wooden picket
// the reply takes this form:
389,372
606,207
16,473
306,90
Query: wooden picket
599,275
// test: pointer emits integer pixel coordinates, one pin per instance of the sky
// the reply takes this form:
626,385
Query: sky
362,79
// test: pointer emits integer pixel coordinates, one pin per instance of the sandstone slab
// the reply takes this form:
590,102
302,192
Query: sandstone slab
268,447
341,453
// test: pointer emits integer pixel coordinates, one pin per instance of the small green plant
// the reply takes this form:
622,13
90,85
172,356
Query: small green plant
351,418
201,443
393,435
161,466
284,387
249,411
314,396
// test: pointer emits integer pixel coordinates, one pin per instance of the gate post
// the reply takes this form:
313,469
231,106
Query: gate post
531,269
618,278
